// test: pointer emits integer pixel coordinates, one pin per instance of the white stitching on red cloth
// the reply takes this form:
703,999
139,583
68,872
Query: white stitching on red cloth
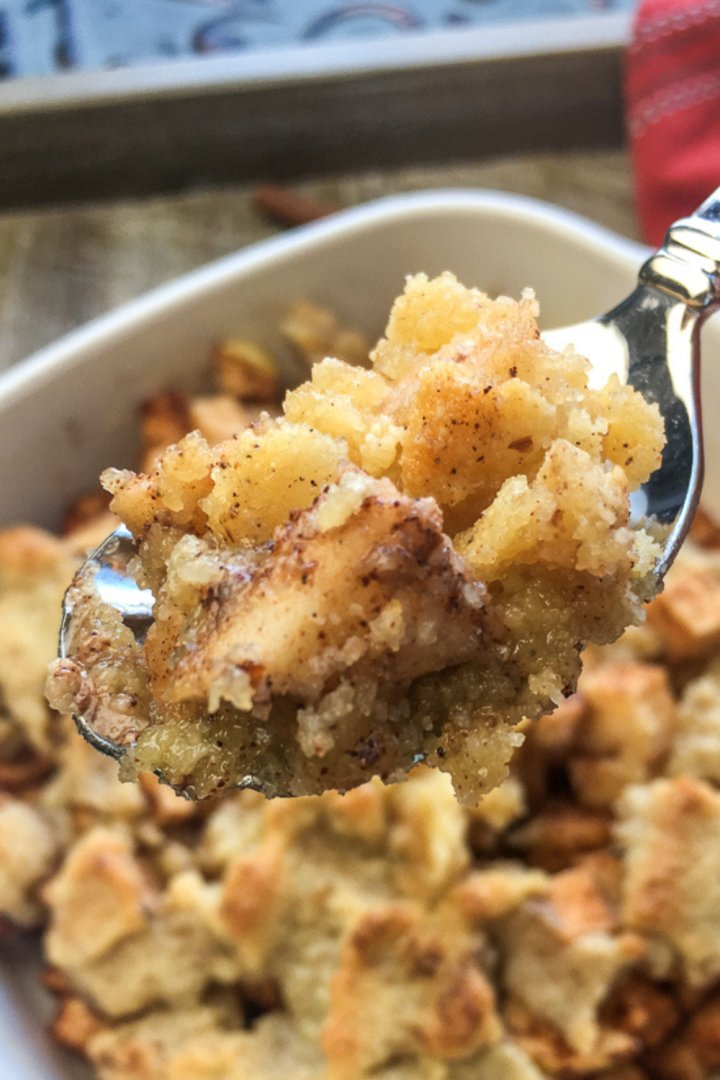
647,33
669,101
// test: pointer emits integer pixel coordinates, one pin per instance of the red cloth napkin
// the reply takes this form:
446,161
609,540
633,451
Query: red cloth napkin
672,93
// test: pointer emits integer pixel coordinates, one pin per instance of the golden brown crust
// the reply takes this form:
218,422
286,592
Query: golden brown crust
245,371
35,569
316,332
444,1005
250,901
164,420
99,898
625,733
687,614
704,529
670,830
545,1045
562,955
497,892
645,1011
75,1025
217,417
26,550
29,851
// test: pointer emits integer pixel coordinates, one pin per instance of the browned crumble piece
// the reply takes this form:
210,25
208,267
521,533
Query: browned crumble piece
646,1011
625,732
243,370
670,833
563,953
316,333
705,530
397,964
686,614
676,1059
75,1025
558,834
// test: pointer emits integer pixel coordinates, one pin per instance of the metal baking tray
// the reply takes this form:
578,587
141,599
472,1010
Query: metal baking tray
323,104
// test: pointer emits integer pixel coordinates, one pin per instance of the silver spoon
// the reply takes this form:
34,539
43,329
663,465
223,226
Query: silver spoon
650,340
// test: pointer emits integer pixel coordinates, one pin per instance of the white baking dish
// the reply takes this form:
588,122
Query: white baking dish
69,411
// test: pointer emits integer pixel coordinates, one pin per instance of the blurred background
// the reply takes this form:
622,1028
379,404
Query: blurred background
38,37
141,138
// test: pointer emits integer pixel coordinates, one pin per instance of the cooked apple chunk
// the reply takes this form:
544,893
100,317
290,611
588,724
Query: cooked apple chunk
400,569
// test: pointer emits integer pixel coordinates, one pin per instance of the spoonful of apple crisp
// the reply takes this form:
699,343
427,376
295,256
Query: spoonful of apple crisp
411,559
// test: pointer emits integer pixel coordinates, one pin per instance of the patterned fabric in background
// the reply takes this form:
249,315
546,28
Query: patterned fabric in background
38,37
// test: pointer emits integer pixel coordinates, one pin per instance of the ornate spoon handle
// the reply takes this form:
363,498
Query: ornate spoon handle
687,266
